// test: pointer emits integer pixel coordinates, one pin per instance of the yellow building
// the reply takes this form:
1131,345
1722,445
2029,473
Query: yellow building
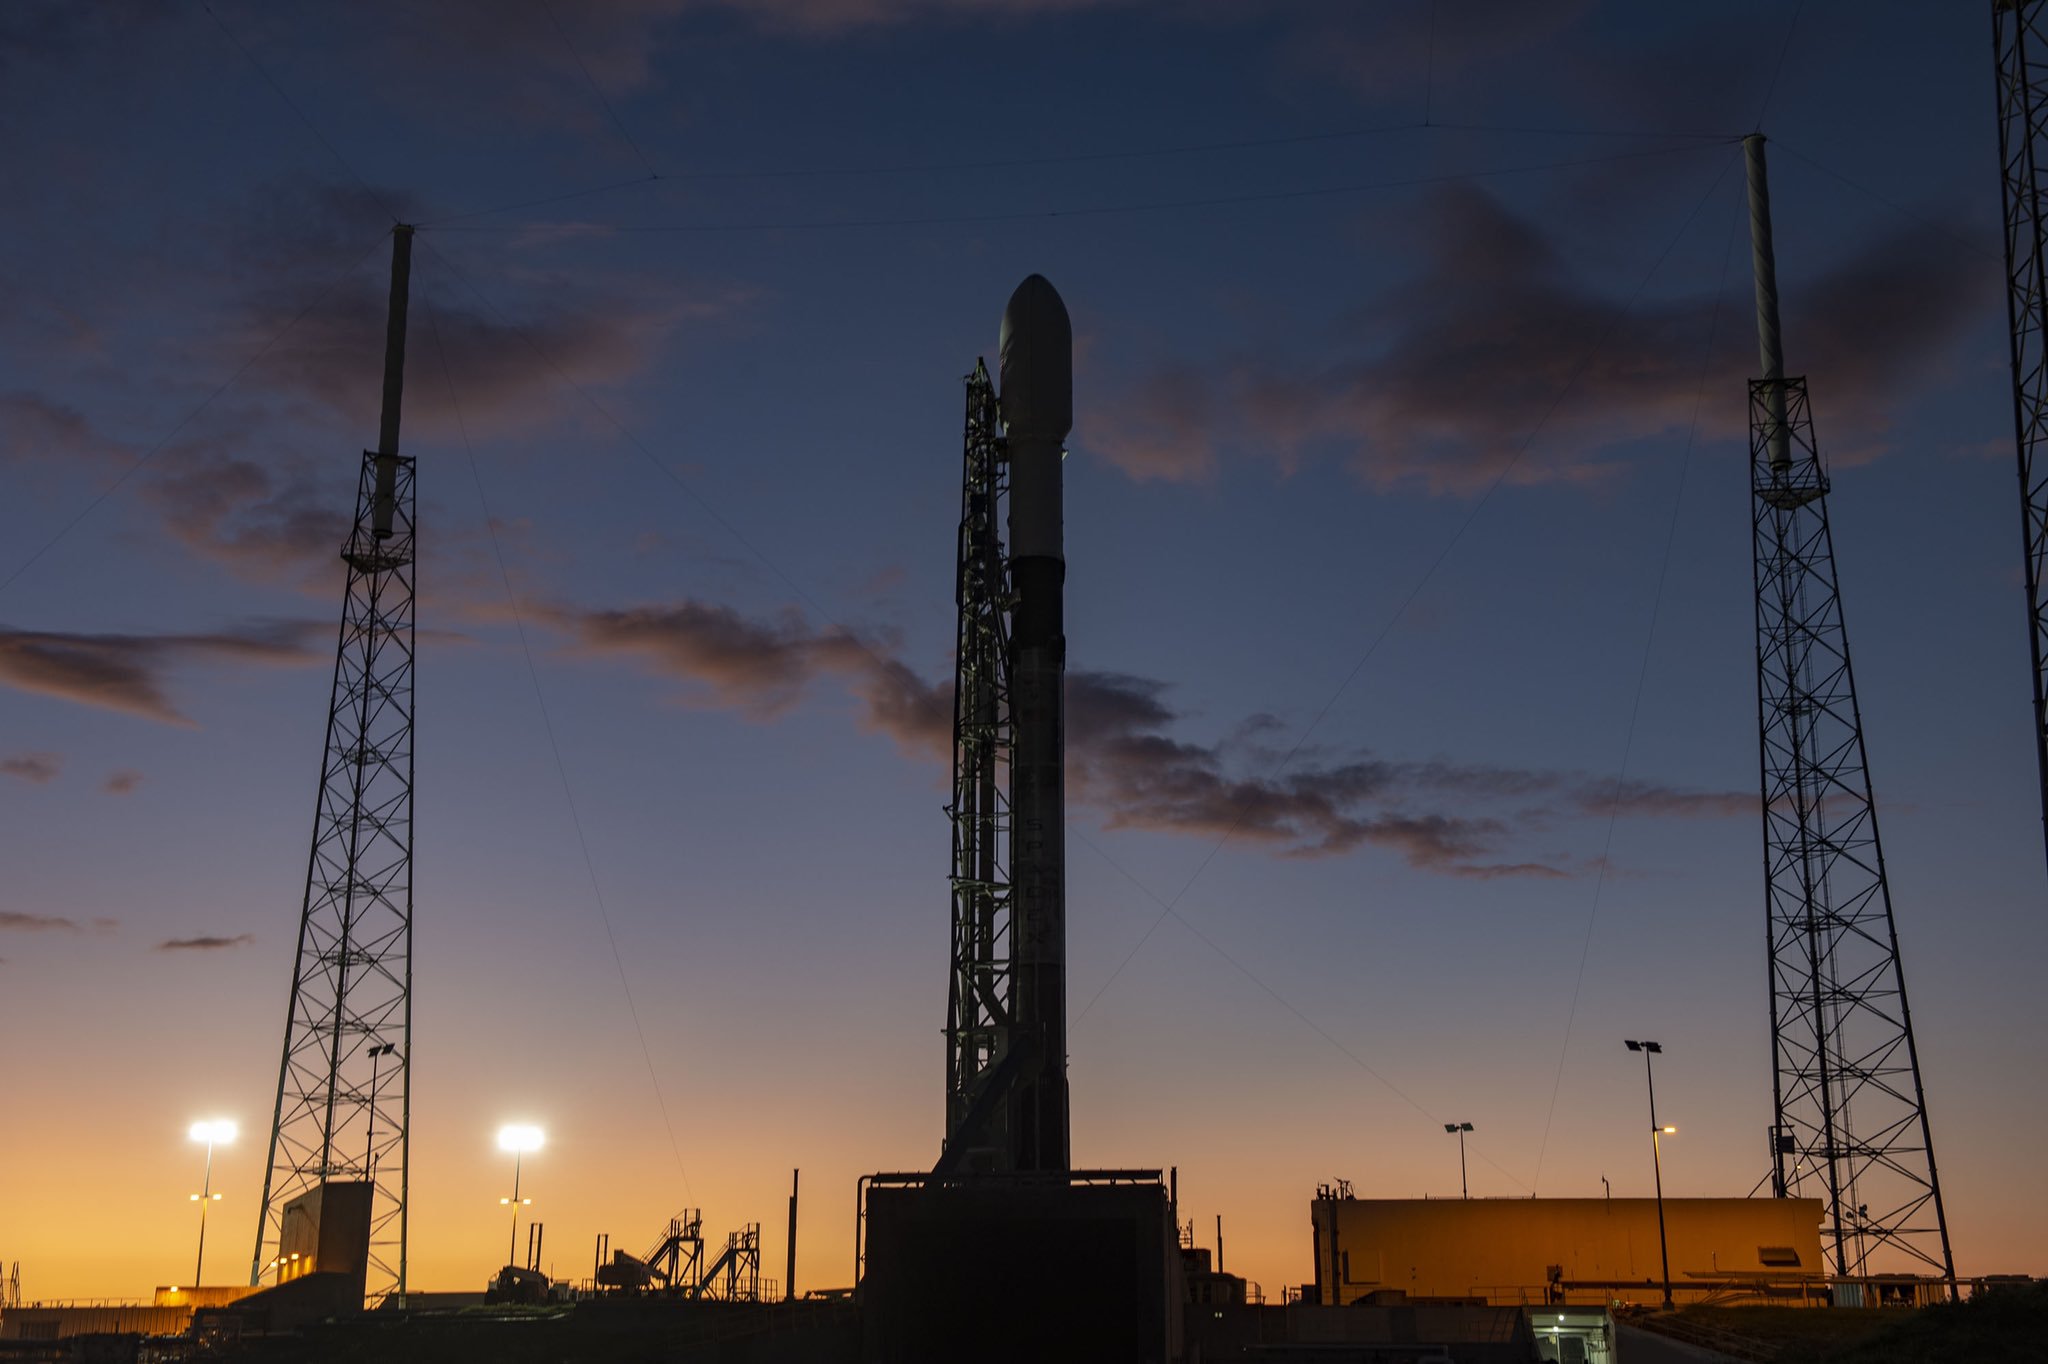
1557,1250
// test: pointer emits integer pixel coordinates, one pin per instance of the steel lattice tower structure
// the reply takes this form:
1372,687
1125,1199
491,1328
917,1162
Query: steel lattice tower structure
2021,47
344,1086
978,1003
1850,1113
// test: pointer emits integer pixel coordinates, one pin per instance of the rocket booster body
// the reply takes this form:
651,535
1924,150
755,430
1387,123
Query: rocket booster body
1037,404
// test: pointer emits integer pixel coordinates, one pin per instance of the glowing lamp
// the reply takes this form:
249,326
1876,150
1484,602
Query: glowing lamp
519,1138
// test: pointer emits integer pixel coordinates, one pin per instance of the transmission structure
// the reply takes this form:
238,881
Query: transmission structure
978,1003
2021,47
1850,1115
344,1084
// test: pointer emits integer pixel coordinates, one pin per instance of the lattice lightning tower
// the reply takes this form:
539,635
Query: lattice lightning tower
344,1087
2021,45
978,1004
1850,1113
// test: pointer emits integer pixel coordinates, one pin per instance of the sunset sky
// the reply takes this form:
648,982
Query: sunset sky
1407,526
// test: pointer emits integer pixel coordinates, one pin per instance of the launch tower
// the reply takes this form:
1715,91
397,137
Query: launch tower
1850,1116
344,1084
2022,52
1006,1024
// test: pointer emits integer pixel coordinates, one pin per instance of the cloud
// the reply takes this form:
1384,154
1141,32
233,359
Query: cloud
1439,816
1405,44
126,673
1124,759
1439,383
34,767
204,943
44,923
121,783
511,359
35,429
259,522
508,372
760,668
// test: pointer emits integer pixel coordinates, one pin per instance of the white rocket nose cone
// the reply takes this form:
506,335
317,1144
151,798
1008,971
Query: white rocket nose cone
1037,362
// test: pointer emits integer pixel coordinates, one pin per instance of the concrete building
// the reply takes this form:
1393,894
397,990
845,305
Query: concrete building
1566,1250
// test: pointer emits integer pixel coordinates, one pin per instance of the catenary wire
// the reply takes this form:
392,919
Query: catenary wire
640,447
618,124
547,725
381,201
1778,70
1109,210
790,583
1458,535
190,417
1994,255
1078,158
1279,998
1642,678
773,567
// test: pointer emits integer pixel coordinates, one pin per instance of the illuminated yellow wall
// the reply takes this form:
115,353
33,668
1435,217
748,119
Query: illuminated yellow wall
1502,1249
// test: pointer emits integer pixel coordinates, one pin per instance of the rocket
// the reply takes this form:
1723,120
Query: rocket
1036,400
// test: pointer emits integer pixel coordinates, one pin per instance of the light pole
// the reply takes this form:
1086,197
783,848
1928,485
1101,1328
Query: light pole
223,1132
1461,1128
377,1052
518,1139
1649,1049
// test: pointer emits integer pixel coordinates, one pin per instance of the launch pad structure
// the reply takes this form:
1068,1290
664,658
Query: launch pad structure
344,1084
1850,1114
1003,1246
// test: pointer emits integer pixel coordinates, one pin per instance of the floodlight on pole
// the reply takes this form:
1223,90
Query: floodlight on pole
1649,1049
1461,1128
518,1138
215,1131
377,1055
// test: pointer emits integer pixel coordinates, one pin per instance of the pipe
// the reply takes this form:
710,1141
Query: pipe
1764,262
789,1278
394,382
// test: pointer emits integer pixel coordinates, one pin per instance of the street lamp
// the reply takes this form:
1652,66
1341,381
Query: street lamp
1649,1049
377,1052
518,1138
1461,1128
220,1131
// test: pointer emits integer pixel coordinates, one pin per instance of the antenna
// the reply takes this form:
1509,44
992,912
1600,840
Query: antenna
344,1082
1846,1077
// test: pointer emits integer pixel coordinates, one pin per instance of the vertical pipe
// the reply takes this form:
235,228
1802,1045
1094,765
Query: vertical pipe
1657,1165
789,1277
1763,258
1037,401
394,381
1219,1243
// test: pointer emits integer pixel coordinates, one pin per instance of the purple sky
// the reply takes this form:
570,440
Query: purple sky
1407,529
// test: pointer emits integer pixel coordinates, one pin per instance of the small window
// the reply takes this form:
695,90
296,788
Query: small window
1782,1256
